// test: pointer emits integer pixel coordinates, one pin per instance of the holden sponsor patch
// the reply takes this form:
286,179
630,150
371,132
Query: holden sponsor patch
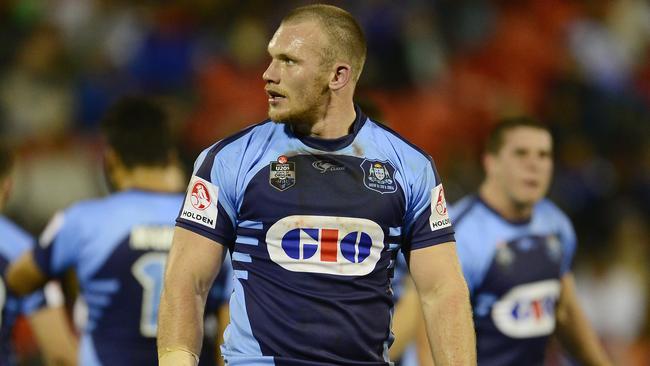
282,174
379,176
201,202
439,218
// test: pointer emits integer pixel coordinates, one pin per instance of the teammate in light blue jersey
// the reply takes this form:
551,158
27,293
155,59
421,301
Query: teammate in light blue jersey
117,245
53,335
314,205
516,249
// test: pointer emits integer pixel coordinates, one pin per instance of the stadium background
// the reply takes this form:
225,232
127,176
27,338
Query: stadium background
440,72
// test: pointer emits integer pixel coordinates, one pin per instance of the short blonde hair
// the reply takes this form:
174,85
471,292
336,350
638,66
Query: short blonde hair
347,42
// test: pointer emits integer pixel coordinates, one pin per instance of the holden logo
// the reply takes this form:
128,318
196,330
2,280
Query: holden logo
441,205
200,198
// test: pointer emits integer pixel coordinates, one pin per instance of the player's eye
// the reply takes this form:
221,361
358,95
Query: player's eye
520,153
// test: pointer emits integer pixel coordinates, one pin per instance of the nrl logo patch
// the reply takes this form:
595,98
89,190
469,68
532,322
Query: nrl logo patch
379,176
282,175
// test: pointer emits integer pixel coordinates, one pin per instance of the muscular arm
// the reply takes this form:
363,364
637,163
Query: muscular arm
192,266
54,336
23,275
445,304
574,330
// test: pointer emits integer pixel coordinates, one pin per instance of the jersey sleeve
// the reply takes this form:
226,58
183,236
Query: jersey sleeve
569,243
59,245
33,302
427,220
210,207
474,261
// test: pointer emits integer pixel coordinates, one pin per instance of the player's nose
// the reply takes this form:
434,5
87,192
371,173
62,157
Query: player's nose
271,74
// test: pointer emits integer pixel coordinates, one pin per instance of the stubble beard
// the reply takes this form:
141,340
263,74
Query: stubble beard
313,103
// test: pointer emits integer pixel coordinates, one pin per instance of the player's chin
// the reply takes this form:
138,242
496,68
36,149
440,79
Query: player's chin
277,114
530,197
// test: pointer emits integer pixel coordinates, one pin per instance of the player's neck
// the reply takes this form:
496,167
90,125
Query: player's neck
335,121
499,201
5,187
157,179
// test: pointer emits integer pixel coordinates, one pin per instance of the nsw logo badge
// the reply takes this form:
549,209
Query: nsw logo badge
282,175
379,176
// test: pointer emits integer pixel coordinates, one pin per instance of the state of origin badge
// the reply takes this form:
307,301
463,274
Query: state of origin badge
283,174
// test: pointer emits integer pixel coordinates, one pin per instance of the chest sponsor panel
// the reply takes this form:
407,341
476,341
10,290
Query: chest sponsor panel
527,310
343,246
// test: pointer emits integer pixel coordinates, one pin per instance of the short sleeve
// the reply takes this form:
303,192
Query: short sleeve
473,267
569,243
209,208
427,220
50,295
32,302
59,245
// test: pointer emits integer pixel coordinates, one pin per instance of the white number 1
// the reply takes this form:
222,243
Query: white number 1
149,270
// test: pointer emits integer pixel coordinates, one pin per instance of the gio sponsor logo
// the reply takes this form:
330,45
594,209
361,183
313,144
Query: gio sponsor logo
439,218
201,202
343,246
527,310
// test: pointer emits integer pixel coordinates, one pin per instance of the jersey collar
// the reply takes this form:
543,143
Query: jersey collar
521,222
333,144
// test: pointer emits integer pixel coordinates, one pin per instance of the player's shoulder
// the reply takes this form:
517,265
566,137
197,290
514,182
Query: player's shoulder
15,240
237,143
548,208
467,214
88,210
393,140
549,213
463,208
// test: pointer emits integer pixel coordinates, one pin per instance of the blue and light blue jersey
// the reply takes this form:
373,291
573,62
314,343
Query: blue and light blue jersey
13,243
313,227
513,270
118,247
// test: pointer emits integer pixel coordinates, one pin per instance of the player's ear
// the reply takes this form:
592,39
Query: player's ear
5,189
111,158
488,161
341,77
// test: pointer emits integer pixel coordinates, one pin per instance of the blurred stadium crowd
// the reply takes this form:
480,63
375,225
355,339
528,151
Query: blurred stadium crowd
439,72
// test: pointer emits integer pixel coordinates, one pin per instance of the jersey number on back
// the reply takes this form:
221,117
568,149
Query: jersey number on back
149,270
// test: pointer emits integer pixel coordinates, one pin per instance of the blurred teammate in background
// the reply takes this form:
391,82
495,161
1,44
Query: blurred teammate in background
407,318
314,205
516,249
117,245
53,334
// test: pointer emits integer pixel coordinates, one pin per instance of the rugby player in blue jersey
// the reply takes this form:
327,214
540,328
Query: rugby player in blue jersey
314,205
48,323
117,245
516,249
